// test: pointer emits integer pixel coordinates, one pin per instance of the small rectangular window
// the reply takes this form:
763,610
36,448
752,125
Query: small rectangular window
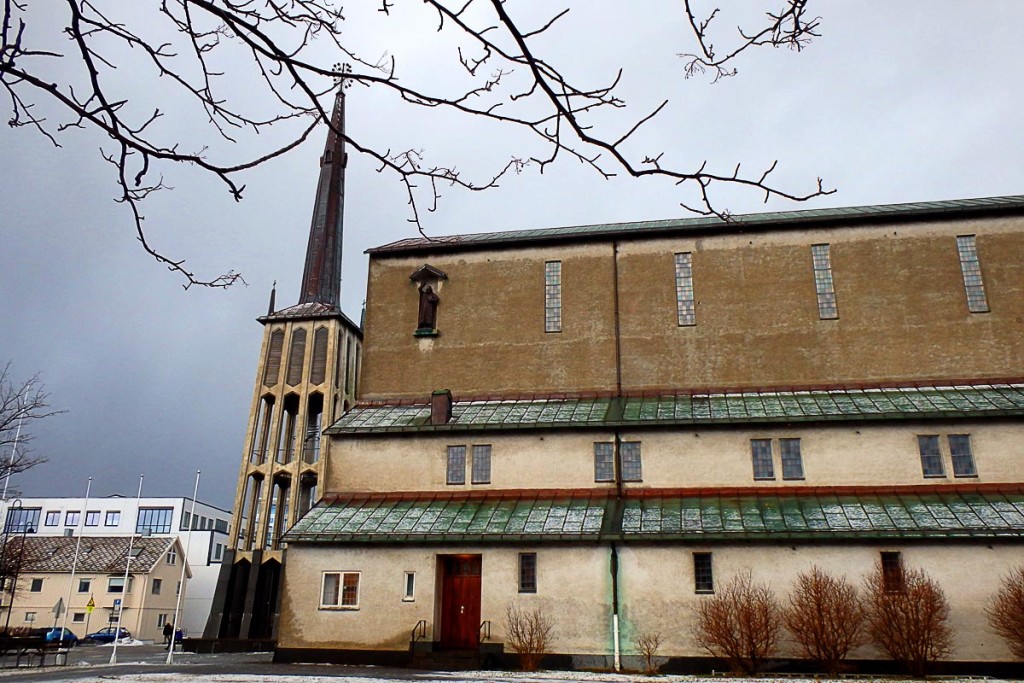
482,464
161,619
963,458
703,577
821,259
112,518
218,551
892,572
78,617
84,585
30,617
792,462
631,469
685,311
340,589
553,296
604,466
157,584
52,518
115,584
71,518
970,267
37,586
527,572
761,456
92,518
456,470
172,556
409,589
931,458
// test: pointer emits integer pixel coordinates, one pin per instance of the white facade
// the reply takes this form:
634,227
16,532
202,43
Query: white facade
118,515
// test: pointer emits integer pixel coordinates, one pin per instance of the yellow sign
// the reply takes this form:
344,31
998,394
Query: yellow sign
91,605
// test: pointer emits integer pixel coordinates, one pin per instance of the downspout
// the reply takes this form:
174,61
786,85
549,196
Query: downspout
616,406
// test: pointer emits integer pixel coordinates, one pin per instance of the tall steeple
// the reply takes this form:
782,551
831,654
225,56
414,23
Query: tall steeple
321,278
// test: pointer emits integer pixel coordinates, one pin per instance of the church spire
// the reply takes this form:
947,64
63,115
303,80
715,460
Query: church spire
321,278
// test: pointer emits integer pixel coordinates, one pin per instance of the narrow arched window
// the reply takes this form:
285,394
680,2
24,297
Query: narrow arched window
273,365
318,371
296,357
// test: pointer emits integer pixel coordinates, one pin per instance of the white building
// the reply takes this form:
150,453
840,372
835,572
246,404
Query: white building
122,516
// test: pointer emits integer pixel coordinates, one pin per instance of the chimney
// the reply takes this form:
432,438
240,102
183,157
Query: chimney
441,407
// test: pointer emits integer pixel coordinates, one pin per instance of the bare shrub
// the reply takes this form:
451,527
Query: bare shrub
741,623
908,618
825,618
647,644
1006,611
528,634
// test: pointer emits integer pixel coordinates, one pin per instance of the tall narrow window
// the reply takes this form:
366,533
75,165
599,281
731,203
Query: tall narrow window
527,572
289,427
553,296
273,366
456,470
631,470
967,247
314,417
482,464
963,458
931,458
350,590
892,572
409,589
761,456
297,357
318,369
792,461
684,290
604,466
822,261
703,577
264,413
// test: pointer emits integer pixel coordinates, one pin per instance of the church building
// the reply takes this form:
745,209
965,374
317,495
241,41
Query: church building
305,380
608,422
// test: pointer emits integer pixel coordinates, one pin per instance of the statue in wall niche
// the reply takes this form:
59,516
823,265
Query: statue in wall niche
428,308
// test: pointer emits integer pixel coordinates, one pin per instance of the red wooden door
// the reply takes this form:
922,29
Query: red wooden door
460,602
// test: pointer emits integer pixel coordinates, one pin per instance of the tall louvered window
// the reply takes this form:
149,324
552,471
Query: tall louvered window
262,430
318,371
289,418
311,439
970,267
296,357
273,365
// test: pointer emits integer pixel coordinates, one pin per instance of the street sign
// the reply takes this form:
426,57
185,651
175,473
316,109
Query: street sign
91,605
117,604
58,609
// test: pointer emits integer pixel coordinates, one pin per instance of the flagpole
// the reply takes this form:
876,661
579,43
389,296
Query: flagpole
74,562
17,434
124,586
181,579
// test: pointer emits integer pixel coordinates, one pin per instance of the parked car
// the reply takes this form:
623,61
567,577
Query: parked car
108,635
53,634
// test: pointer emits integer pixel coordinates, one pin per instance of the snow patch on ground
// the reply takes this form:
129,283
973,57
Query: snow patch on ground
129,642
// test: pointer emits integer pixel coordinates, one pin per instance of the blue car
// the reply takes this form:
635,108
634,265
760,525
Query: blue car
53,635
107,635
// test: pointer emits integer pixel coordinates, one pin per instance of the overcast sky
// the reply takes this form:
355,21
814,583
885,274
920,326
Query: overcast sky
896,102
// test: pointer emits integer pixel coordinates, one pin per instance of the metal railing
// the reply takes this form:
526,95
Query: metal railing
419,631
485,631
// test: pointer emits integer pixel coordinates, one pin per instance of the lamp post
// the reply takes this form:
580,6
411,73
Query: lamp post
25,531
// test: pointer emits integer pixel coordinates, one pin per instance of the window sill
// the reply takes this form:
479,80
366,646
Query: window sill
794,479
426,332
339,608
935,476
711,592
764,478
965,476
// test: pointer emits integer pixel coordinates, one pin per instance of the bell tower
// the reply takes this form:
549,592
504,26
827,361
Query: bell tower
306,378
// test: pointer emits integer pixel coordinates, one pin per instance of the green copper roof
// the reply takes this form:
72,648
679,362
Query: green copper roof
738,223
927,512
695,409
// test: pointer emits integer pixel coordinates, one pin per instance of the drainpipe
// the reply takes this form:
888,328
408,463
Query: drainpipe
617,464
615,608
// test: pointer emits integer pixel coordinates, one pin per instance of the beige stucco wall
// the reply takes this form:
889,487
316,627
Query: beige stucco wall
577,602
656,590
833,455
902,314
657,585
141,607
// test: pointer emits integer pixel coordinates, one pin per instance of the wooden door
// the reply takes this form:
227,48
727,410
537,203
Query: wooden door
460,602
